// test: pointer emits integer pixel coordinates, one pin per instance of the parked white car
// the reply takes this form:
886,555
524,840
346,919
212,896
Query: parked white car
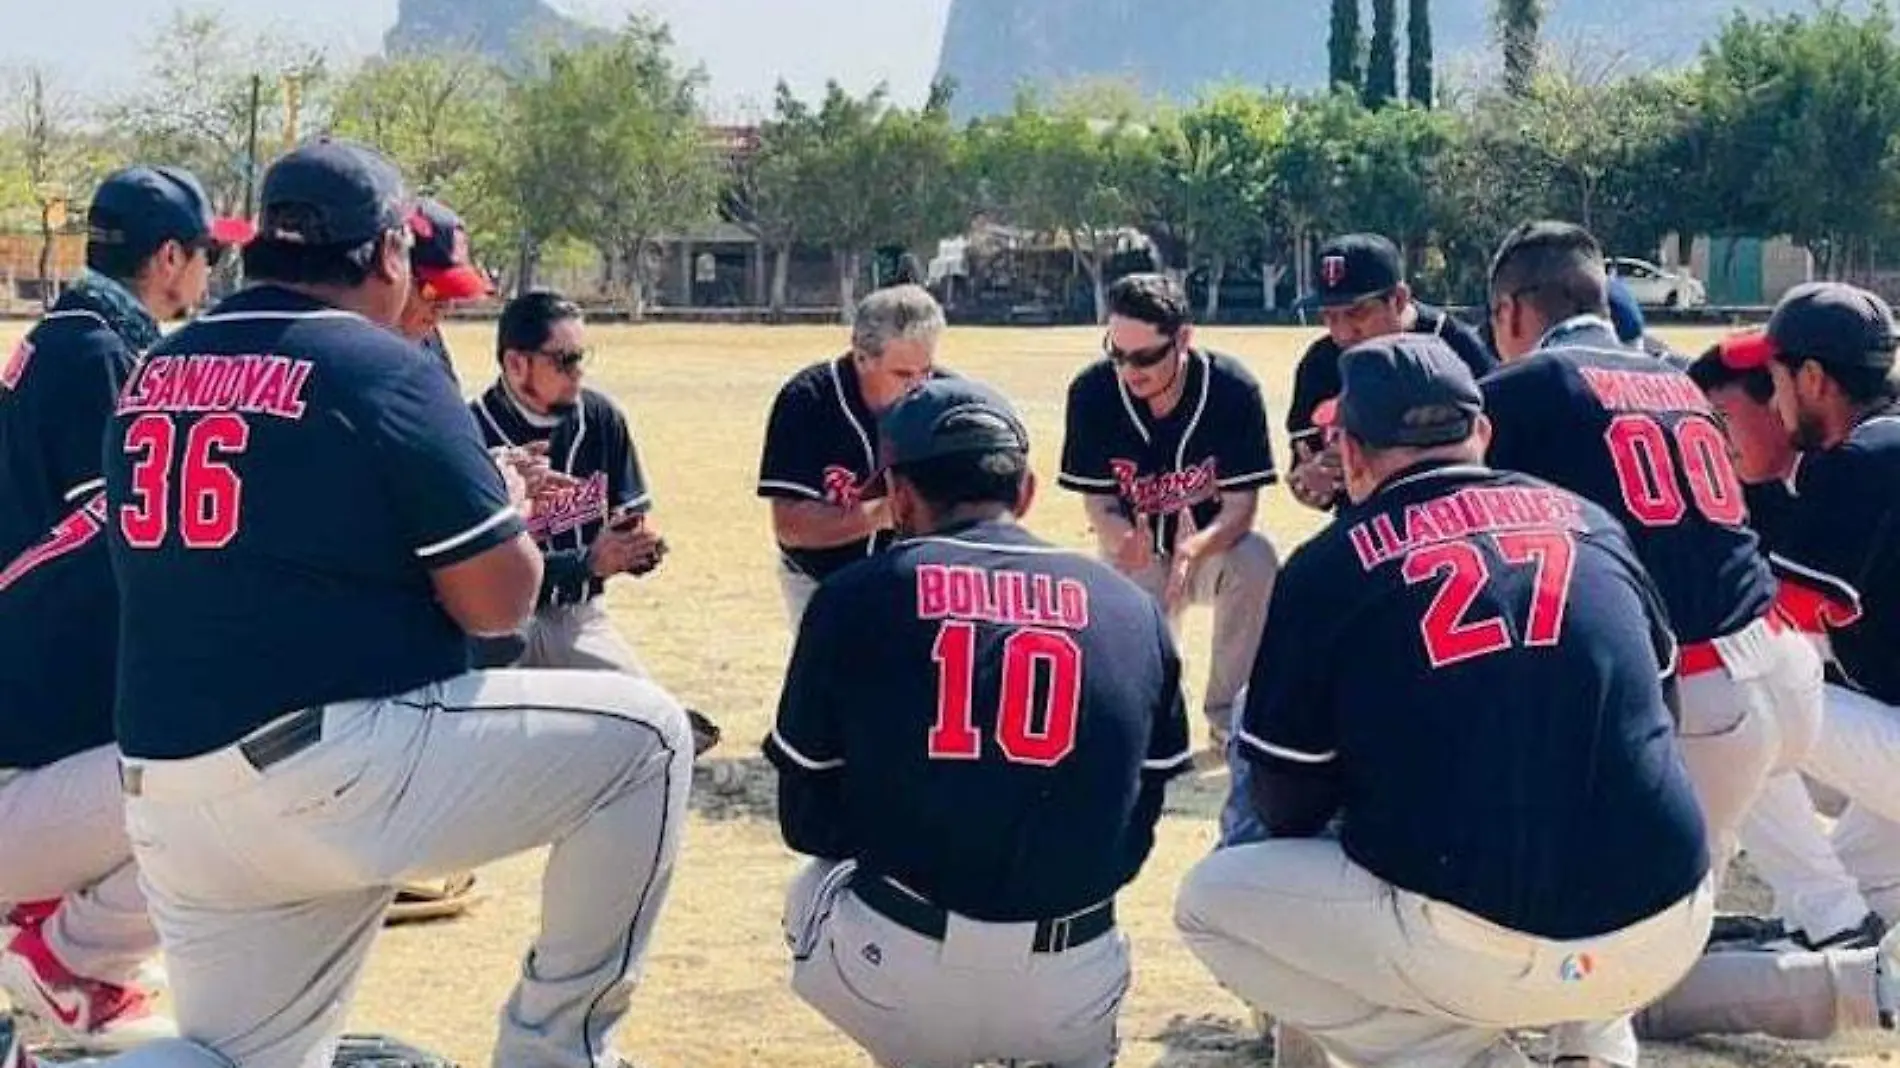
1664,287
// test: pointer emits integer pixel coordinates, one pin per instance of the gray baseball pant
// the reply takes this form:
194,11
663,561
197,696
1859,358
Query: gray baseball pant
63,825
581,637
268,886
979,995
1238,583
797,588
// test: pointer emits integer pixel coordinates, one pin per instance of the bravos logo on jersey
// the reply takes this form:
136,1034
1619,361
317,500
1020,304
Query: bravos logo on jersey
842,487
1168,492
564,510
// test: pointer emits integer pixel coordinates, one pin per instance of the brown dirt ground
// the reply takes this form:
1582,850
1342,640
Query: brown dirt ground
710,626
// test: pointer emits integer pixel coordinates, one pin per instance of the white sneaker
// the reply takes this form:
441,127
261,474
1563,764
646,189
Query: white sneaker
84,1014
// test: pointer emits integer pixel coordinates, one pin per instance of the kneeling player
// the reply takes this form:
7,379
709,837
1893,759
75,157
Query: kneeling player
974,740
1479,706
72,961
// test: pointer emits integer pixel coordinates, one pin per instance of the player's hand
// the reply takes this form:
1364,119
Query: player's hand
1134,550
616,551
1184,564
1316,478
516,486
648,549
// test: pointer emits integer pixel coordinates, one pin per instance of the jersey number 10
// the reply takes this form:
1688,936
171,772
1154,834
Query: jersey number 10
209,492
1018,735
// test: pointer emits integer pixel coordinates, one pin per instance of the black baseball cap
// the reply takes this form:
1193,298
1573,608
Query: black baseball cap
1356,266
946,416
1838,325
440,257
331,193
141,208
1404,390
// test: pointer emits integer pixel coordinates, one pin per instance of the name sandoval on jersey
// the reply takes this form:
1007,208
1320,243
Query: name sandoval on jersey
1016,598
1167,492
265,385
1477,510
570,507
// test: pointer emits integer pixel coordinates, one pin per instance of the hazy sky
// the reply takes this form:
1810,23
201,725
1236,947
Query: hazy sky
745,45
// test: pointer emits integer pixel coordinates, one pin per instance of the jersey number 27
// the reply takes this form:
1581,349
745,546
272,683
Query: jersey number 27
1026,734
209,492
1450,636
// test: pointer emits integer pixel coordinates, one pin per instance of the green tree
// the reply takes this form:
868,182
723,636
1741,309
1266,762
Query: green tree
1215,205
1080,181
1519,25
1382,67
194,106
1344,46
53,159
1419,69
437,117
611,136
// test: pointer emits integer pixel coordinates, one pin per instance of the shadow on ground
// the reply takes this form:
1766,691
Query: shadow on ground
735,788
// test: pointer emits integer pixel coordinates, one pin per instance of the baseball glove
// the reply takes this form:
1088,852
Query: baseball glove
435,899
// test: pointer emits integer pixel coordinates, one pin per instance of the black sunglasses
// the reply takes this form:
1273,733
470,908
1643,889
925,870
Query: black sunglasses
213,250
565,359
1139,359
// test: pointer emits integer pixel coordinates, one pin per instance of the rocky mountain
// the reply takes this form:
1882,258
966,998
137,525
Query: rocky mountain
504,30
993,46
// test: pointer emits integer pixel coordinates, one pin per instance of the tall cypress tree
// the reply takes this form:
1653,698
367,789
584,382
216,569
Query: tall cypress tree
1419,71
1520,25
1382,67
1343,46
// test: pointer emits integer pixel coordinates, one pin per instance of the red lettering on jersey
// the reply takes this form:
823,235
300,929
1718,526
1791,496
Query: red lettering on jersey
70,535
1476,510
1012,598
1644,391
15,367
1420,526
1169,491
251,384
842,487
566,509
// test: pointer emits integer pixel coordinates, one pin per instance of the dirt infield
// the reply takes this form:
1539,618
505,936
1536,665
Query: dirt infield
710,626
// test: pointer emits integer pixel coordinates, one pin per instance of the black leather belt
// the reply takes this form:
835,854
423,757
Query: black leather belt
921,917
278,743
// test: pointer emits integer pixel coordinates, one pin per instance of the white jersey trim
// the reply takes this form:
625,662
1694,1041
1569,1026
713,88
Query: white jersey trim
74,313
1185,756
447,544
1294,755
89,486
1068,479
801,759
1044,550
796,487
1818,575
1264,476
493,423
257,316
1436,472
1200,409
844,405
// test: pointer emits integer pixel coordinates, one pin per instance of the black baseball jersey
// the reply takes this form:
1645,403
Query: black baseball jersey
1316,378
1835,539
56,390
1213,442
1476,657
282,478
592,443
986,719
821,445
1636,436
59,626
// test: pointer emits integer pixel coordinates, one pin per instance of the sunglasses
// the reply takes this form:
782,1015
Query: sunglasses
568,360
213,250
1139,359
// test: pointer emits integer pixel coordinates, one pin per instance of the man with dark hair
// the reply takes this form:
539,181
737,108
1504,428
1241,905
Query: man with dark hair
1168,445
1575,406
1362,294
818,467
973,745
306,531
152,239
444,274
1465,674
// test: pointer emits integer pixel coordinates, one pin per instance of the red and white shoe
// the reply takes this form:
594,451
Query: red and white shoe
86,1014
30,913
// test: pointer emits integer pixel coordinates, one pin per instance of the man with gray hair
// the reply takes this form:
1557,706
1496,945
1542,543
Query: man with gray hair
820,459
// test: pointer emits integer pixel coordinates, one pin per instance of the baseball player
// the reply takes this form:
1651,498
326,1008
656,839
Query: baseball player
1167,443
443,273
1466,671
151,242
819,466
1362,295
306,528
72,965
973,741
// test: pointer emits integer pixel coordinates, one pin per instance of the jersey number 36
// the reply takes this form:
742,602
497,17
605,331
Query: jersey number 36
209,493
1026,734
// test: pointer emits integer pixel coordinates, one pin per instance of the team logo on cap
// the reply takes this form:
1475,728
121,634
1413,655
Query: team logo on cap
1332,270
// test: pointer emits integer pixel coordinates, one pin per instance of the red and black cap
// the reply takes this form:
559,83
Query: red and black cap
1353,267
1407,390
440,258
143,207
1837,325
